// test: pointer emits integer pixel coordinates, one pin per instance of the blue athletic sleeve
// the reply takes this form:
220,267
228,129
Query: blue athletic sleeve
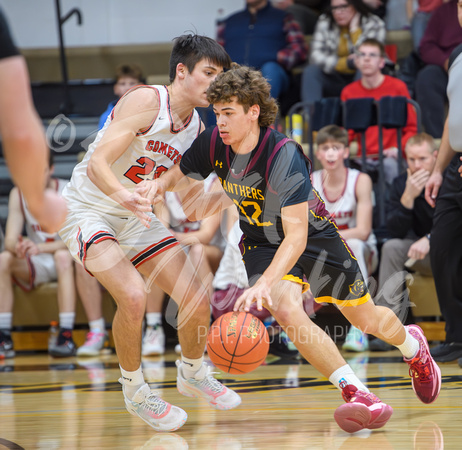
195,162
289,175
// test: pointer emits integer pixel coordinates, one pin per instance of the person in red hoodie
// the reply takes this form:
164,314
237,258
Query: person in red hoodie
370,60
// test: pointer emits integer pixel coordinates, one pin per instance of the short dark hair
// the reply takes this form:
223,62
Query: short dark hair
373,43
189,49
250,88
129,70
332,133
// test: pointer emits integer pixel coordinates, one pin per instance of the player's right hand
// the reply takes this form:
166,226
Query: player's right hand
432,188
259,293
140,206
153,190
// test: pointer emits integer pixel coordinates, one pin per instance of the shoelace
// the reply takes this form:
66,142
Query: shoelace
210,382
93,338
420,370
367,395
155,404
417,367
152,337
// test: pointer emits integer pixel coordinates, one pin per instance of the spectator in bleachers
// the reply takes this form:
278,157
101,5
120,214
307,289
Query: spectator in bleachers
347,194
304,12
30,261
370,60
409,222
265,38
396,15
441,37
23,139
202,240
419,13
332,61
127,76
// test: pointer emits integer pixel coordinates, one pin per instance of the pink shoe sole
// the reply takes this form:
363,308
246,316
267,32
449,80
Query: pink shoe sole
352,417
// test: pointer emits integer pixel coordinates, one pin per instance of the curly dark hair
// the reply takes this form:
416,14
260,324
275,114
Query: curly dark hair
249,87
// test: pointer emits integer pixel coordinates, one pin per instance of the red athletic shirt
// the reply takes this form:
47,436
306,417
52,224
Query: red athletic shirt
392,87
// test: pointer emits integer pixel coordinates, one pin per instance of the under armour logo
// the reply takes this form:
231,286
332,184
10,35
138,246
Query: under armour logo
220,164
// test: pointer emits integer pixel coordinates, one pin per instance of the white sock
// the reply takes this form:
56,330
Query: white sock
344,376
132,381
153,319
410,346
6,321
97,326
191,366
66,320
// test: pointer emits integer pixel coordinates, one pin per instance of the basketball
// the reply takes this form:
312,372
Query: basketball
237,342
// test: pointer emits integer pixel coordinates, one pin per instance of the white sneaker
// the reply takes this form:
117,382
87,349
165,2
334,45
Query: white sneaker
157,413
204,385
93,345
153,341
356,341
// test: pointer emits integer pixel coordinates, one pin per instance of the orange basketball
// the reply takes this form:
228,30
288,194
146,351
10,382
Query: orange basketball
237,342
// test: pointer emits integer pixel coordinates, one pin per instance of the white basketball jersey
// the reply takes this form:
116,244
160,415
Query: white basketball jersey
152,152
343,208
33,230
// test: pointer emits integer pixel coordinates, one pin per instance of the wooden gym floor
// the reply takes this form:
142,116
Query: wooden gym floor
77,403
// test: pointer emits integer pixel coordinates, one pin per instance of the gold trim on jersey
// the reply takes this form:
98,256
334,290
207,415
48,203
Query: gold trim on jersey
293,278
355,302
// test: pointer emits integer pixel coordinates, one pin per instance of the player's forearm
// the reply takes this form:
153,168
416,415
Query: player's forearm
173,180
51,247
101,175
23,137
198,205
361,233
285,258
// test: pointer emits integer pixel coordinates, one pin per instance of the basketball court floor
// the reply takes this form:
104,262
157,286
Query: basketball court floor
77,403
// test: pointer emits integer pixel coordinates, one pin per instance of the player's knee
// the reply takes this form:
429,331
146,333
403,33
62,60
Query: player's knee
284,313
196,251
133,303
63,260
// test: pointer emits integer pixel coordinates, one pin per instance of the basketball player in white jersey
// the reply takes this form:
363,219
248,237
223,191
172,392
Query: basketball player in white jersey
347,194
30,261
112,231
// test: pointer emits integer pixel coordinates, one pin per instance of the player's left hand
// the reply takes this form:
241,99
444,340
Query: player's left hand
460,167
25,247
419,249
259,293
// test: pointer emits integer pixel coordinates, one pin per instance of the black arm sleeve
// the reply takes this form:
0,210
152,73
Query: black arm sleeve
7,47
